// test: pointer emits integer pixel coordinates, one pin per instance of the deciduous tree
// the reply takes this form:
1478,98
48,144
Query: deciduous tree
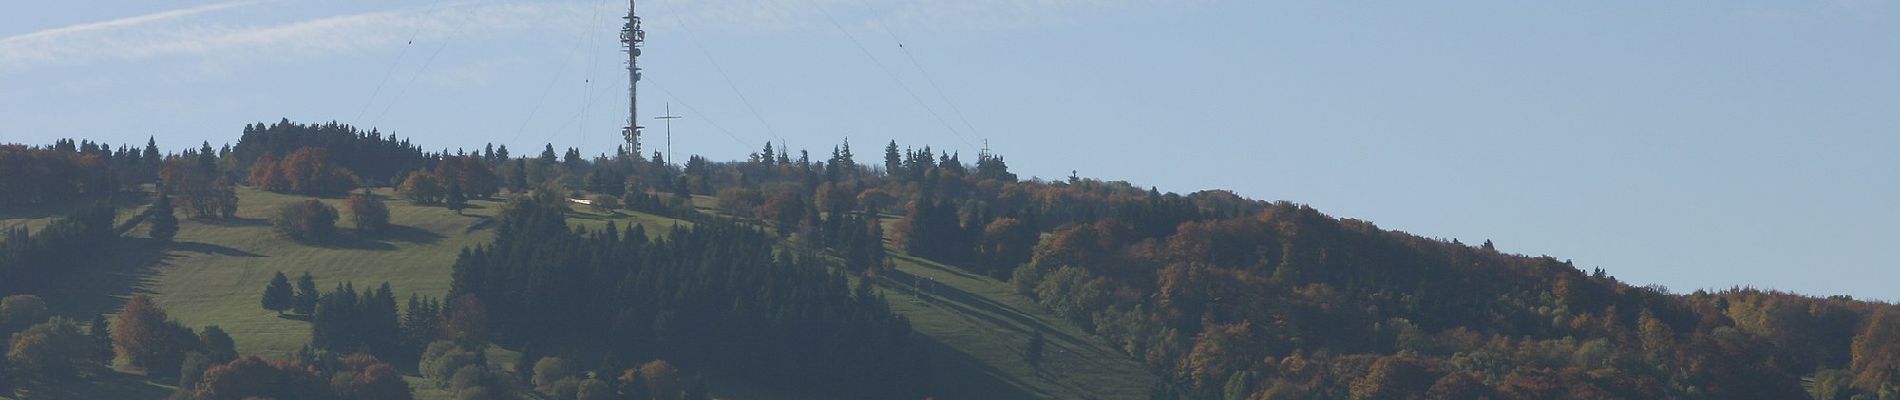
368,212
217,344
145,336
422,188
467,319
663,381
306,221
53,350
20,311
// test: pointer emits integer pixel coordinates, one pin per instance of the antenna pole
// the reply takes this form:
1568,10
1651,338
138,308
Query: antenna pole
669,117
631,38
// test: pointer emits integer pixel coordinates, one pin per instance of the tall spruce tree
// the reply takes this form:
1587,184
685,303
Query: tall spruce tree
150,156
164,221
307,295
893,162
277,295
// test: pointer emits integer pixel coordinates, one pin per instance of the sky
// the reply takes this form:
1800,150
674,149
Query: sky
1690,144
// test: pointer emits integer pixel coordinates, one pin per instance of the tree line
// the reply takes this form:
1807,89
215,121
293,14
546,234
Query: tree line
40,176
370,154
1238,298
1289,302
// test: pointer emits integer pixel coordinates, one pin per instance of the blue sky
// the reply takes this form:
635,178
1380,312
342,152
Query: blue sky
1693,144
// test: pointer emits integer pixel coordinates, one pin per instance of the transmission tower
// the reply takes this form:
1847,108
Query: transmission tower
631,37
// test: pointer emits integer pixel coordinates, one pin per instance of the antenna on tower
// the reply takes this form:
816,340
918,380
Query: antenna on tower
669,117
631,38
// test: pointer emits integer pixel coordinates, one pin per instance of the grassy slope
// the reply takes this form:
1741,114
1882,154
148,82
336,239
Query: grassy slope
987,326
978,329
216,271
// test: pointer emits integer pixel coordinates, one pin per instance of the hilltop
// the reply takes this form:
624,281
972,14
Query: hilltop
988,285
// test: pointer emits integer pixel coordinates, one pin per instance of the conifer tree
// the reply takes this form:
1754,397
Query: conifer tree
164,222
151,156
455,199
207,159
306,300
277,295
893,162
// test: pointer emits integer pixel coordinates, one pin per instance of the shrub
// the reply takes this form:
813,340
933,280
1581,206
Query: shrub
309,171
146,337
53,350
368,212
444,360
20,311
193,369
308,221
421,188
550,371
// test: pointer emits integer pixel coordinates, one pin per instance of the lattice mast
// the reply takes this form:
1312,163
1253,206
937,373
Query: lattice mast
631,37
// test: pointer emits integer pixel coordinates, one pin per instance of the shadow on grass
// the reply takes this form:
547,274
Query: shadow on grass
974,306
959,376
483,223
294,317
207,248
356,242
102,385
377,241
233,222
587,216
410,234
895,253
100,286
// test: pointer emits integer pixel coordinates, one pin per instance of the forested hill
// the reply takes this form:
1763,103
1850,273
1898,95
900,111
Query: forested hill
1218,295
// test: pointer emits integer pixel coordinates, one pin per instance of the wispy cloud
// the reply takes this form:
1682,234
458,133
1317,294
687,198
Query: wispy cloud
60,43
57,33
172,34
192,35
